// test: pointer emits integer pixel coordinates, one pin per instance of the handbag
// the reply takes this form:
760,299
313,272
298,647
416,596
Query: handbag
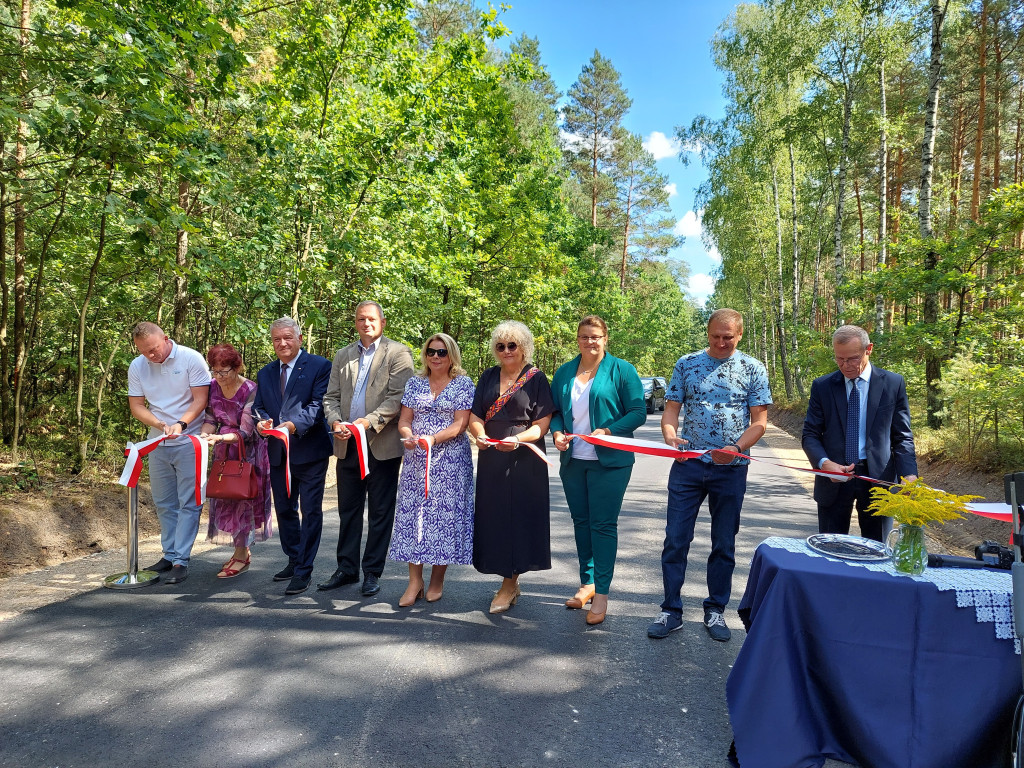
233,478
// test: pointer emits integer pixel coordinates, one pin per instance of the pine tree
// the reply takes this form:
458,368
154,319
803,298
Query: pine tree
592,119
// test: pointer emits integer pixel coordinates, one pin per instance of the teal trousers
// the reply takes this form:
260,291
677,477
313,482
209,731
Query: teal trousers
594,494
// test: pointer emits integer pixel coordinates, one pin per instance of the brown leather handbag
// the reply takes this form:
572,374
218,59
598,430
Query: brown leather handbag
233,479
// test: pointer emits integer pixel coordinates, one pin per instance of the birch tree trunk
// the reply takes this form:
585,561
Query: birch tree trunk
780,312
837,253
796,274
933,362
883,193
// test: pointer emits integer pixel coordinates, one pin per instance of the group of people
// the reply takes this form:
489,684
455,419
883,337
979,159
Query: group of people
415,425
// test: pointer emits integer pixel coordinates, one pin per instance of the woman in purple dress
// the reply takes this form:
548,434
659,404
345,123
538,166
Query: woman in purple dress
228,421
436,529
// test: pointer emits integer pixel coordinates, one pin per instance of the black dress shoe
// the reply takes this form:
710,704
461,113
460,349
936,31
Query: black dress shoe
338,579
286,574
177,575
297,585
370,585
161,565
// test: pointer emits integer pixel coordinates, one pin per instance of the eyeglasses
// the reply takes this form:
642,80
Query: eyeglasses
590,338
431,351
221,373
511,346
841,361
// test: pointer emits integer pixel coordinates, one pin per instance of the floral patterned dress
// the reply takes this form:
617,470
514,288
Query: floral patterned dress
247,520
437,529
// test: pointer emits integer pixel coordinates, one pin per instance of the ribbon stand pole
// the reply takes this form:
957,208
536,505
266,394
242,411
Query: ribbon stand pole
133,578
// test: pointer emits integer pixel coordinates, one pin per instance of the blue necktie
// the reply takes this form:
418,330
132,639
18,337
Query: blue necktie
853,425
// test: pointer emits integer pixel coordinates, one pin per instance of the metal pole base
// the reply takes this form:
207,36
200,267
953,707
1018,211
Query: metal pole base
133,577
131,581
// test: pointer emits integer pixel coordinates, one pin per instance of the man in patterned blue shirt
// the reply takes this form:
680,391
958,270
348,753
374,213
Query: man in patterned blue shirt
723,396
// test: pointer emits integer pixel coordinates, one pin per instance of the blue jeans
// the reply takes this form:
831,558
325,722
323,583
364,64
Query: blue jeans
172,480
689,483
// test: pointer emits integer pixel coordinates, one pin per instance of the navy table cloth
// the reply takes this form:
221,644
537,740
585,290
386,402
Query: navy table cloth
865,667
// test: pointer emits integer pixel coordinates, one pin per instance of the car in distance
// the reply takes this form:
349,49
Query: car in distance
654,393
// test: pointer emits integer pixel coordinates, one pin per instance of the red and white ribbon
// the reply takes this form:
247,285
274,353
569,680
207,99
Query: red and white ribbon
426,445
282,434
992,509
136,451
133,466
362,447
634,445
653,448
202,449
509,441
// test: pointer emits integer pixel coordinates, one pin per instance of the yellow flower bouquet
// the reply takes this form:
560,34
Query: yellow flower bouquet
915,505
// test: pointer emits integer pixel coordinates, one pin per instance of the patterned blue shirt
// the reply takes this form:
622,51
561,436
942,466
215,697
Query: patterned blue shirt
716,397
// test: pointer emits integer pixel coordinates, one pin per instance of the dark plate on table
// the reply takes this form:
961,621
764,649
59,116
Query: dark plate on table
847,547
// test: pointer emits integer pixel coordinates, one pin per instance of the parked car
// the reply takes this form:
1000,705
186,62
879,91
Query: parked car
654,393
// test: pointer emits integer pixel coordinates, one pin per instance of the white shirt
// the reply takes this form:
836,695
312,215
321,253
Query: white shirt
581,420
167,386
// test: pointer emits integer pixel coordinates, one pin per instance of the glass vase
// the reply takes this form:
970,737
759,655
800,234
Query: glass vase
906,548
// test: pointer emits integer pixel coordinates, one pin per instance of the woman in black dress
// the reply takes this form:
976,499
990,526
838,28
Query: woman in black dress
513,400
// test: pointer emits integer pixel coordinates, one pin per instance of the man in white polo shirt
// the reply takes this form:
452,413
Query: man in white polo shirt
168,386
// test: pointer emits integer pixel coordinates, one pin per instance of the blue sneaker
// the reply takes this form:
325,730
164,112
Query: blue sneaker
665,623
715,624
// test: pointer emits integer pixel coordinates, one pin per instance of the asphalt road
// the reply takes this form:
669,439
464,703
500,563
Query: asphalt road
234,673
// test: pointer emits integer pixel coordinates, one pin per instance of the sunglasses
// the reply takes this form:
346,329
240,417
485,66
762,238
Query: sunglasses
511,346
431,351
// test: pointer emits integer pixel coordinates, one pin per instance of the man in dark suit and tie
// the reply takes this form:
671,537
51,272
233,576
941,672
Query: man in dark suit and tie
858,422
367,383
290,392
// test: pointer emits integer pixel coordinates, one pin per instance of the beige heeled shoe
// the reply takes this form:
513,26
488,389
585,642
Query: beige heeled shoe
404,602
501,604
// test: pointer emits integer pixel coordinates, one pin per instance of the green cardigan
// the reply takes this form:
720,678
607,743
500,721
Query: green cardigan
616,403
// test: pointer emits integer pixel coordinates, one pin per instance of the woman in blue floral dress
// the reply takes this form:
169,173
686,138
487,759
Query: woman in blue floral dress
435,529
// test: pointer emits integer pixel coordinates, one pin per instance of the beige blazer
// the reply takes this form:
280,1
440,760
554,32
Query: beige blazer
391,368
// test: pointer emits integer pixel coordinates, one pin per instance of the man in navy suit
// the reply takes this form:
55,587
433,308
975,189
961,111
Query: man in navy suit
290,393
879,445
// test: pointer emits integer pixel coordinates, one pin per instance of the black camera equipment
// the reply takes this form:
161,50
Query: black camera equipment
994,555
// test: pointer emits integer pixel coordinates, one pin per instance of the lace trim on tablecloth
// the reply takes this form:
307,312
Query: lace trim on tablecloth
989,592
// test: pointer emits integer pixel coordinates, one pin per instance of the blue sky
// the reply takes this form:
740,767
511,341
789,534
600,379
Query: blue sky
662,52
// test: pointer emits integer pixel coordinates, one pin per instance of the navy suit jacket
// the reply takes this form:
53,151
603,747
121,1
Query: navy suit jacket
889,443
302,405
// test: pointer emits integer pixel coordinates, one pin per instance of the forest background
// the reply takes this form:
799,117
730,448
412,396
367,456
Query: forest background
214,166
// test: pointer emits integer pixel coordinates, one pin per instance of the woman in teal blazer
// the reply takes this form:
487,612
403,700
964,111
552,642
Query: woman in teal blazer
595,393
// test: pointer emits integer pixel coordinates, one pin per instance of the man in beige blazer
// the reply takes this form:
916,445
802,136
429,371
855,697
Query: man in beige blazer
367,382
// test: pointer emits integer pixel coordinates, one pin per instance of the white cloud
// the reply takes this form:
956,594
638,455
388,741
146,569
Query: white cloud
671,189
661,146
688,226
714,255
701,287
